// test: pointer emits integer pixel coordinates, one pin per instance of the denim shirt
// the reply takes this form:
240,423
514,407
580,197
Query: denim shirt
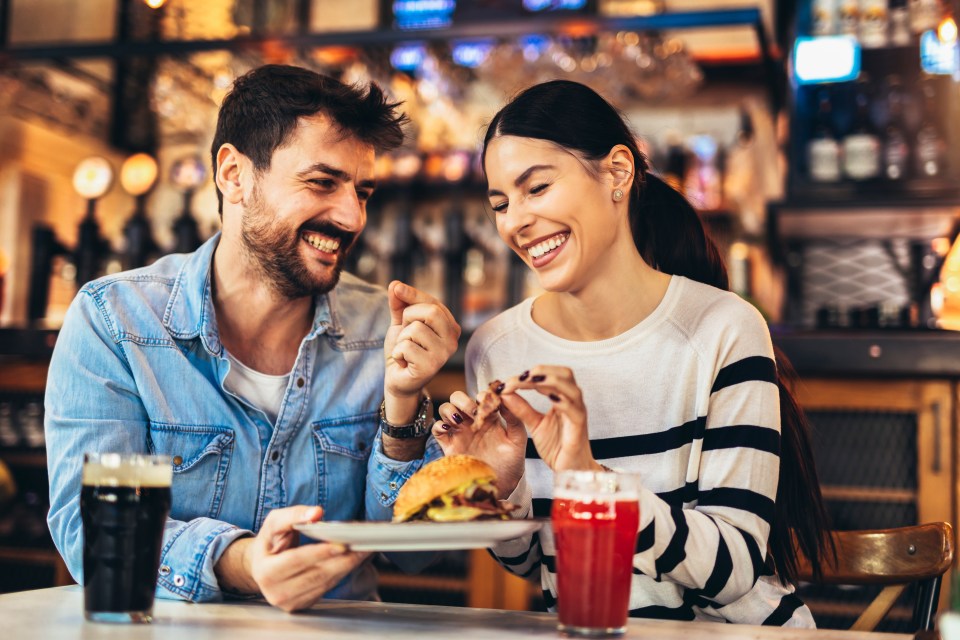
139,367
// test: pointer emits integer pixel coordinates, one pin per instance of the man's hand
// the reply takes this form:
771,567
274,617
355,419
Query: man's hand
288,576
423,334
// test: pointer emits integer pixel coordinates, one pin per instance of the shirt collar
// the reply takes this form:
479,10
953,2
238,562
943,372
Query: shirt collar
190,312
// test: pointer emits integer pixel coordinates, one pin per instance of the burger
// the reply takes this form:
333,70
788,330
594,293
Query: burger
456,488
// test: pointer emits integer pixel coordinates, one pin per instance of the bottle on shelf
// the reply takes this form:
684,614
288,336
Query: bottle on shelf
861,145
823,17
896,148
899,17
675,165
872,24
703,184
823,149
848,14
924,15
930,149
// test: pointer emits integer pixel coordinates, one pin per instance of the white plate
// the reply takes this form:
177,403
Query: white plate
419,536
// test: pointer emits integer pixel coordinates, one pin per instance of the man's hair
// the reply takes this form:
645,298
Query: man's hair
264,105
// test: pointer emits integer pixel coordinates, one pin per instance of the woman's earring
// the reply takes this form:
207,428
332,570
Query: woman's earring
618,194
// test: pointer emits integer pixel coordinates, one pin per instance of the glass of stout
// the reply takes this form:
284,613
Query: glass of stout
124,505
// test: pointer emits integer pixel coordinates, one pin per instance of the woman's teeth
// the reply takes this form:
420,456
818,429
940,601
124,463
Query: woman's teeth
327,245
547,246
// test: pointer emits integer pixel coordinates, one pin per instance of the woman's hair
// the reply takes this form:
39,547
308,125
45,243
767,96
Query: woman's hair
670,237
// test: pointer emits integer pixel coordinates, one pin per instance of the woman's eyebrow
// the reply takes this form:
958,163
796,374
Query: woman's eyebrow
523,177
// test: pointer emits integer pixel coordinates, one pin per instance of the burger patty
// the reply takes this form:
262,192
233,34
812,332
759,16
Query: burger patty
483,500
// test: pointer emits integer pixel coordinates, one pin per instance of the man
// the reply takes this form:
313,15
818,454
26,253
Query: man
254,363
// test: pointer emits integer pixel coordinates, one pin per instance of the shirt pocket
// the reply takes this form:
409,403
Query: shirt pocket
343,448
201,459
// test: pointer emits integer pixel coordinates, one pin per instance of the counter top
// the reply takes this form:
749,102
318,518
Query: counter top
57,614
872,353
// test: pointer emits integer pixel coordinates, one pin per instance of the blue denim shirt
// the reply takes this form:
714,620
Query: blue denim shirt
139,367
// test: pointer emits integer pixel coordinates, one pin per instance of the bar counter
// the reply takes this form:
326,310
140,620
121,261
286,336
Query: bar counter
57,614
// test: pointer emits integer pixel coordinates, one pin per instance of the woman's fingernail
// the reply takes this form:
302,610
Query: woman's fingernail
524,376
445,426
538,378
500,388
554,397
457,418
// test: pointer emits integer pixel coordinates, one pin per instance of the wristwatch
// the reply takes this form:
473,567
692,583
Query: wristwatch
416,429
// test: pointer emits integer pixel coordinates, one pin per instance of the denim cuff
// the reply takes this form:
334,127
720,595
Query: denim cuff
190,552
385,476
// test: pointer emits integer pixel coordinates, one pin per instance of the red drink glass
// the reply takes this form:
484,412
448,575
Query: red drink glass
595,519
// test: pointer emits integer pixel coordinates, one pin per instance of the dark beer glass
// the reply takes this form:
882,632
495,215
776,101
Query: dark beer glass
124,503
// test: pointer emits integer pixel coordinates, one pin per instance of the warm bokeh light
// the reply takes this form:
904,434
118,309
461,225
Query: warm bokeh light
947,30
138,174
154,4
92,177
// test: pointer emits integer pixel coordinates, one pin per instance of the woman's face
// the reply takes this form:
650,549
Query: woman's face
558,217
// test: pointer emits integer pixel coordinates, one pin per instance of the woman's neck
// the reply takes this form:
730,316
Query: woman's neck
611,303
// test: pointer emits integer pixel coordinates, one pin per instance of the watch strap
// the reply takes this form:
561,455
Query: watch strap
416,429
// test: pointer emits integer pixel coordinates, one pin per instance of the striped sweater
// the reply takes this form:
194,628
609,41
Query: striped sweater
688,400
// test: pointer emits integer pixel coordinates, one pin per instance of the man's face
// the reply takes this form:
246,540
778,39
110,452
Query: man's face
305,212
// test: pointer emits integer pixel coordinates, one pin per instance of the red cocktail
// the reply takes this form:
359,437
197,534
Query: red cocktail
595,520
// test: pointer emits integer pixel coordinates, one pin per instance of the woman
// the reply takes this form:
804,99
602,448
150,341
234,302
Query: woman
675,376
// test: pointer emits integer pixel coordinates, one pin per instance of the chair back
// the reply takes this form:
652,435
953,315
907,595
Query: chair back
894,558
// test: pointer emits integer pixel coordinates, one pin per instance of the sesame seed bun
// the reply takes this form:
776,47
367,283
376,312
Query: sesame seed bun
438,478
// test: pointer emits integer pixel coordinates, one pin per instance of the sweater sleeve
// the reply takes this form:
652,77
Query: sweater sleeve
713,540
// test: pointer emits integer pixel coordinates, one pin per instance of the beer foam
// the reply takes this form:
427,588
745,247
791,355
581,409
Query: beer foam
117,471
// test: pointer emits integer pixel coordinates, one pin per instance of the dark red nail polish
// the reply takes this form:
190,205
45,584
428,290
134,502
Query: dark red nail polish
524,376
538,378
445,426
554,397
457,418
500,388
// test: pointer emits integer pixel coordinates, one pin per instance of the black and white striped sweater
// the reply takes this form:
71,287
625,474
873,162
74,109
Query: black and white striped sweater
687,399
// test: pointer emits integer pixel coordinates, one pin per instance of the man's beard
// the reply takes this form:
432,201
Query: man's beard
275,250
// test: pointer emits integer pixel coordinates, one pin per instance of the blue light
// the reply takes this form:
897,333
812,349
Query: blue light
408,57
937,57
553,5
471,54
826,59
423,14
533,46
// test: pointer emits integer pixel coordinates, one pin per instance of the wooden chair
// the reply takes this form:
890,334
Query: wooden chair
894,558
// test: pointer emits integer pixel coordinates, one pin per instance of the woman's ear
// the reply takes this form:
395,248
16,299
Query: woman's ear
620,163
231,165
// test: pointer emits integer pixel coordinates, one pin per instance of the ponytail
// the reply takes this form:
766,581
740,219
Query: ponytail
670,237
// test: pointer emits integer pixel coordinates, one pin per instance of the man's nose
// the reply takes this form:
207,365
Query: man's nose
351,211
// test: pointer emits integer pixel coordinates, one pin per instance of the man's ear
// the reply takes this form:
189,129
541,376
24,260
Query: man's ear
231,168
620,163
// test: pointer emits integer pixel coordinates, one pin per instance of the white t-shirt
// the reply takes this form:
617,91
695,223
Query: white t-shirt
263,391
688,400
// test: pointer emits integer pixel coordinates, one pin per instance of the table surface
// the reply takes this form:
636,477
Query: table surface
57,614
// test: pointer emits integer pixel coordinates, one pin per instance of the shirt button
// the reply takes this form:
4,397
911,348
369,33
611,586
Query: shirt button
179,581
178,460
383,496
300,383
275,455
164,570
393,486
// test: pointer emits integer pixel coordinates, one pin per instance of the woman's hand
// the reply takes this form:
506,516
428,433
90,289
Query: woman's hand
501,444
560,435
